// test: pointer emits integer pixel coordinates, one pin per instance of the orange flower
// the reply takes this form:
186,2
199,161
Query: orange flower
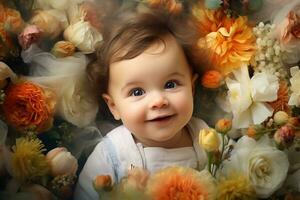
232,45
212,79
27,105
11,18
181,183
171,6
281,104
208,21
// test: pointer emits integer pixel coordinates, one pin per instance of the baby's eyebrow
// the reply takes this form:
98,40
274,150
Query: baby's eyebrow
130,84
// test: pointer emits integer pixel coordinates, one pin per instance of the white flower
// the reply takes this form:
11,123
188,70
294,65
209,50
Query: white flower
83,36
261,161
295,86
247,97
55,4
77,104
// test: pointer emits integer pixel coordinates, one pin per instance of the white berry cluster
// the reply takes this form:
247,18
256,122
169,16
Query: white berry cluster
268,54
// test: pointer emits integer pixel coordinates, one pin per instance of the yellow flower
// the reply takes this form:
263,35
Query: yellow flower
28,161
232,45
209,140
235,187
181,183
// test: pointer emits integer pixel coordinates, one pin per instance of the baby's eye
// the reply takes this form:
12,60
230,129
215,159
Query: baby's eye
170,84
136,92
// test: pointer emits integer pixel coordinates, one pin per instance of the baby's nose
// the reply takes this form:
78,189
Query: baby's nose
159,101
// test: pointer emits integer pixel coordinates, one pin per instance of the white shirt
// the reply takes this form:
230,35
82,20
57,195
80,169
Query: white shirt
118,151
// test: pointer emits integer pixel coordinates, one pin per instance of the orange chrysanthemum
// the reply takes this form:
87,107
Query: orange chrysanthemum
27,105
231,41
281,104
208,21
171,6
181,183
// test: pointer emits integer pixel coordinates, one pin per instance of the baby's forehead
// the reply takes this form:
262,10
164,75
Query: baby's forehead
159,46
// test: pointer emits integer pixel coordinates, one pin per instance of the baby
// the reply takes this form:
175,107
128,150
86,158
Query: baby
148,75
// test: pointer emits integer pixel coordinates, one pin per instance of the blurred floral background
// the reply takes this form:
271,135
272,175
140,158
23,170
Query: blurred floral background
51,117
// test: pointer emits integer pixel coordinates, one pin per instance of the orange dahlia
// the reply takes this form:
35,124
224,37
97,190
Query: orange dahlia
27,105
231,41
208,21
181,183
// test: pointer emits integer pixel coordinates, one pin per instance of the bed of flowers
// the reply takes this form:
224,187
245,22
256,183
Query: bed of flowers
250,96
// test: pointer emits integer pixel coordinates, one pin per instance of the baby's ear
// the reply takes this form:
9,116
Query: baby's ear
111,105
194,78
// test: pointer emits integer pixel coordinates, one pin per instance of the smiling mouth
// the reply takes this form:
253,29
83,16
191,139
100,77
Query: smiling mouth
160,119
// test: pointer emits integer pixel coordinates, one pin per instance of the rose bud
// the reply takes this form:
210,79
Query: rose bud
212,79
103,182
209,140
285,136
61,162
281,117
63,49
137,178
223,126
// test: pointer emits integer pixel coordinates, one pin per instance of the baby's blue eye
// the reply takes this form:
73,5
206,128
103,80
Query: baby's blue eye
136,92
170,84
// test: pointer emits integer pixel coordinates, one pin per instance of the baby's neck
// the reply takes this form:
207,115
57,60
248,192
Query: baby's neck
181,139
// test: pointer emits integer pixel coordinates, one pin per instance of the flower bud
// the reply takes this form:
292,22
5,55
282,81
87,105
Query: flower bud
84,36
251,132
102,182
29,35
61,162
63,49
281,117
209,140
285,136
212,79
223,125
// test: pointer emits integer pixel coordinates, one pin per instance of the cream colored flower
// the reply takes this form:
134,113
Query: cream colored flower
287,31
209,140
247,97
43,18
295,87
61,162
84,36
261,161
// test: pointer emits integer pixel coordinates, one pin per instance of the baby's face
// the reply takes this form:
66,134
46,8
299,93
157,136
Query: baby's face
152,93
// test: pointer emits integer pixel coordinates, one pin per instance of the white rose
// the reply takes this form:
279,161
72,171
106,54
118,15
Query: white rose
295,87
83,36
261,161
248,97
61,162
77,105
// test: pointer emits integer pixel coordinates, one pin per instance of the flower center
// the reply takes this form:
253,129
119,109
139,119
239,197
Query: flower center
260,168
